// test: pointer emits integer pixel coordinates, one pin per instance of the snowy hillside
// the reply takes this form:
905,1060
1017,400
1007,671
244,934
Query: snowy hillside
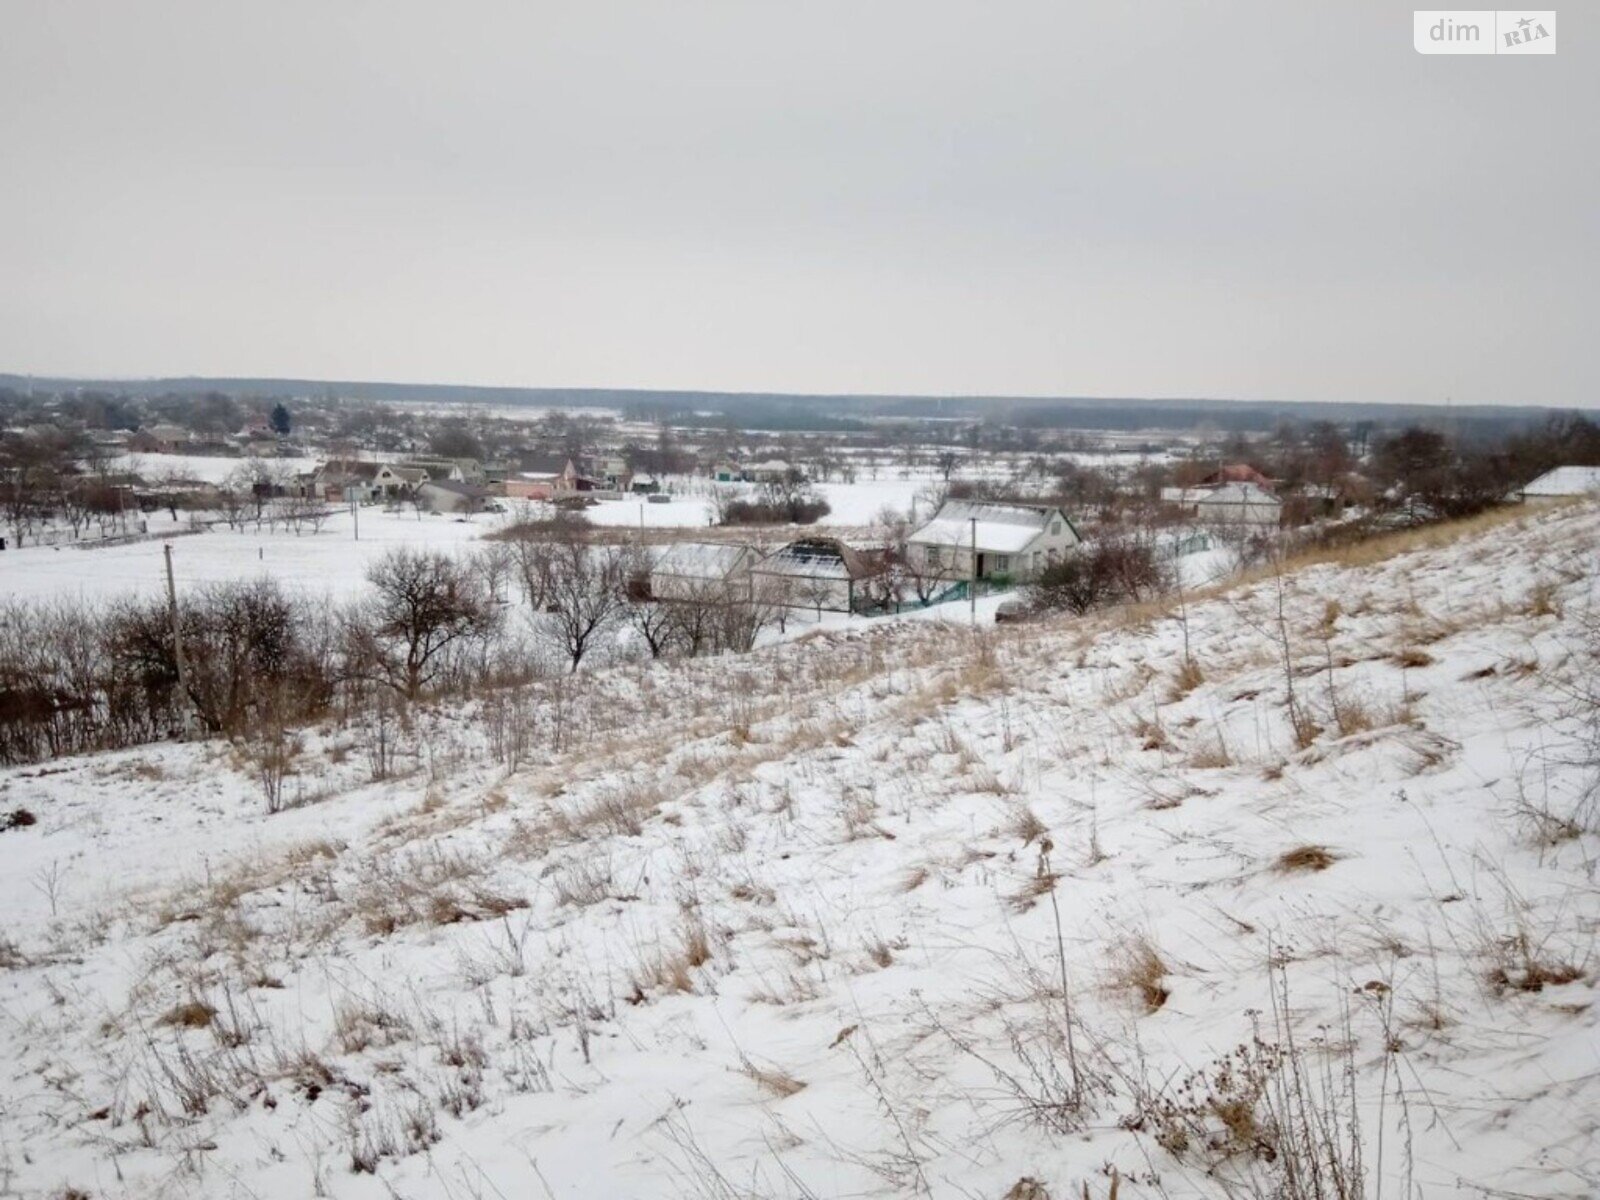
1308,908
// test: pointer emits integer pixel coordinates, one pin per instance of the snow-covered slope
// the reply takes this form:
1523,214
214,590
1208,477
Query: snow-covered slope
897,911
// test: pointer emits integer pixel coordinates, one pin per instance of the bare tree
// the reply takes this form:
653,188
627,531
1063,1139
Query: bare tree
653,621
495,564
777,596
426,602
740,622
693,613
586,594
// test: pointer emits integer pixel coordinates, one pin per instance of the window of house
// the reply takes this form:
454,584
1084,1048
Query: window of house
933,556
1002,562
1055,528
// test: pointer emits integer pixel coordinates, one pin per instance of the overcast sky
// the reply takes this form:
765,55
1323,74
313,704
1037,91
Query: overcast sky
1252,199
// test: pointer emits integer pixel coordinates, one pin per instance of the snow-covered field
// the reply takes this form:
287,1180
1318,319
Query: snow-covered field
333,560
852,505
206,469
809,922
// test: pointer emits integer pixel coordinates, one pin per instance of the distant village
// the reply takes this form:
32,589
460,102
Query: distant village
999,506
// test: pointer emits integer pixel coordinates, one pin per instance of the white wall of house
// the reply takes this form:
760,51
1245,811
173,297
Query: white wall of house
444,500
802,591
1261,512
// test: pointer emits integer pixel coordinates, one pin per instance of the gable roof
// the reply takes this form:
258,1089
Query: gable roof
1219,493
1565,481
1238,473
348,469
818,558
699,560
1001,528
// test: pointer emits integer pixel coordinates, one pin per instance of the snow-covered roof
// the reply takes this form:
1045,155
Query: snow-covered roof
1240,494
698,560
816,558
1565,481
1001,528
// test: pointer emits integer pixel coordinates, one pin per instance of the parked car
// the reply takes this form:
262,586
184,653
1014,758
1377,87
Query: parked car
1010,610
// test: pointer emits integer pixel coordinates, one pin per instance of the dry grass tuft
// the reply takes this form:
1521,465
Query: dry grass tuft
773,1080
1029,893
880,952
1353,717
1188,677
358,1025
1026,826
1413,657
1543,600
193,1014
673,971
1150,734
1519,964
913,879
1210,758
1305,858
1138,969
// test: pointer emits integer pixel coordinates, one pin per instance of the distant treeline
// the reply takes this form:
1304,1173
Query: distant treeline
805,411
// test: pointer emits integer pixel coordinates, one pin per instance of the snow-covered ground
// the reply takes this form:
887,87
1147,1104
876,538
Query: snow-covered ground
332,560
808,922
206,469
852,505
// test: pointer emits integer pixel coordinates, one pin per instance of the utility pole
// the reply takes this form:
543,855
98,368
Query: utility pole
972,587
355,513
177,643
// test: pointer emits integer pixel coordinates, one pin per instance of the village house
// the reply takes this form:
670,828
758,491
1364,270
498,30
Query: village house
1562,483
771,470
816,572
451,496
701,570
342,480
1233,504
546,479
458,470
978,540
613,474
